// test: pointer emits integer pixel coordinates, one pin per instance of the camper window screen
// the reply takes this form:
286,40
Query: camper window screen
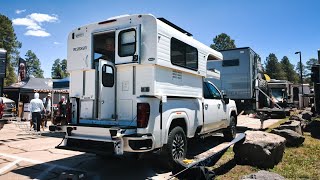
183,54
127,42
233,62
107,76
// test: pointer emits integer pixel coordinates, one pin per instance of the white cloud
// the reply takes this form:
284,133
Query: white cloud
38,33
56,43
38,17
26,22
34,23
19,11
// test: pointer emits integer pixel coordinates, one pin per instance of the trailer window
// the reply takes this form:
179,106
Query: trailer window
127,42
183,54
233,62
107,76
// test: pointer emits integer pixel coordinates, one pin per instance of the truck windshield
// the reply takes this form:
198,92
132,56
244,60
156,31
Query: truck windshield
278,94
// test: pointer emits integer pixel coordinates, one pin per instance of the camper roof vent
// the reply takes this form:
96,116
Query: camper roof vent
175,26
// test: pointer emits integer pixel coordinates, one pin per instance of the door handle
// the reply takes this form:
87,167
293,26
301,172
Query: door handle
102,102
206,106
219,106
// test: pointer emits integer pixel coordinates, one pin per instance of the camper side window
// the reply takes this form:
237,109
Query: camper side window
183,54
233,62
107,76
127,43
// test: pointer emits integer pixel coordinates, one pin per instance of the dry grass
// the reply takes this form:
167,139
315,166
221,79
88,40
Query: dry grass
297,163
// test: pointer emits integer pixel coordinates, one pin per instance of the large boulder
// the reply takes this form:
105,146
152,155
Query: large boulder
293,125
293,139
260,149
307,115
263,175
315,129
296,117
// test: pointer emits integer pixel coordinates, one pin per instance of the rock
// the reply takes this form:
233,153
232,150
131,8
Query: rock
306,115
263,175
260,149
315,129
293,139
296,117
293,125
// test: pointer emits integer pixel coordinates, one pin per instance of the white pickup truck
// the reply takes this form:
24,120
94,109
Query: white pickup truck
138,84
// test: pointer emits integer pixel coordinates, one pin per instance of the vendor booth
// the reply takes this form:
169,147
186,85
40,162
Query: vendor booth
23,91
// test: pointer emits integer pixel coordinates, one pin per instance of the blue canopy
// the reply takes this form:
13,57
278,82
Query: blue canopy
61,83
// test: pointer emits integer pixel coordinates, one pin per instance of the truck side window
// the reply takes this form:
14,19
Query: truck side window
107,76
206,92
127,43
215,94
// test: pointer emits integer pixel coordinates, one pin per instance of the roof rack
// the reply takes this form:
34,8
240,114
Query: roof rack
175,26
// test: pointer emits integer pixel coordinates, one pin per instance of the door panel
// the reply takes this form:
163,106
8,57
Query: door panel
128,45
107,87
214,108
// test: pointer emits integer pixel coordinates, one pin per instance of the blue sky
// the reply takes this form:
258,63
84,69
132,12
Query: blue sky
274,26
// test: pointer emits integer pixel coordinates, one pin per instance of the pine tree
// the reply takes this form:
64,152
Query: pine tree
33,65
273,68
222,42
288,69
9,42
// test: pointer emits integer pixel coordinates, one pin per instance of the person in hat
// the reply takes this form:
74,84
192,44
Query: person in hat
47,106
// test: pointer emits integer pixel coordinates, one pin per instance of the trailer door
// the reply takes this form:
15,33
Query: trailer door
107,90
128,45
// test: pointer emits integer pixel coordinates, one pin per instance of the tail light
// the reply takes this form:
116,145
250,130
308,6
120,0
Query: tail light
143,113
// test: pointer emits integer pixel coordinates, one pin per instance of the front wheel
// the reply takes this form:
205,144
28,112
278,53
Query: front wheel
176,147
231,131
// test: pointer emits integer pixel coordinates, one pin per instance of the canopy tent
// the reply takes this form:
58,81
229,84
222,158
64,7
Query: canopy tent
24,90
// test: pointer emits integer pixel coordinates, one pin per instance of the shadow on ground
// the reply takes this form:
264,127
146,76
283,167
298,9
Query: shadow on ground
112,167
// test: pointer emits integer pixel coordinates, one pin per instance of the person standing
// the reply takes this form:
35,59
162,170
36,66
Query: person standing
47,106
36,106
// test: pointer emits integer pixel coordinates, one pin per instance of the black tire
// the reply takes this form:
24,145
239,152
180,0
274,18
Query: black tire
176,147
231,131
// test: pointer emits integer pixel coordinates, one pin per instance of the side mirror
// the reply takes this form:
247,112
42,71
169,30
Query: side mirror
225,98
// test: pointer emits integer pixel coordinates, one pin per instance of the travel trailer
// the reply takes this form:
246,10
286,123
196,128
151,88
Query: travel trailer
137,84
242,78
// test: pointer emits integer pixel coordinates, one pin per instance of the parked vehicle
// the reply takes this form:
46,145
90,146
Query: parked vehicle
281,91
243,80
8,106
150,93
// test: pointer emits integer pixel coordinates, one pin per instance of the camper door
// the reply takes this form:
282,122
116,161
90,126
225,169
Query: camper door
107,87
128,45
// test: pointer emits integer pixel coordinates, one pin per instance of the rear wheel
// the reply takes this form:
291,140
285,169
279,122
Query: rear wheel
176,147
231,131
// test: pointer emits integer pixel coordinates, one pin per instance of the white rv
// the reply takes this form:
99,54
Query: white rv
137,84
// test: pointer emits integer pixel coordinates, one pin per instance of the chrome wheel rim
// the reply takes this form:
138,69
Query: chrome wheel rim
178,146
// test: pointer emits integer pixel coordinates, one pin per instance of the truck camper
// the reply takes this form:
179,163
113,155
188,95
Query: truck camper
138,84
